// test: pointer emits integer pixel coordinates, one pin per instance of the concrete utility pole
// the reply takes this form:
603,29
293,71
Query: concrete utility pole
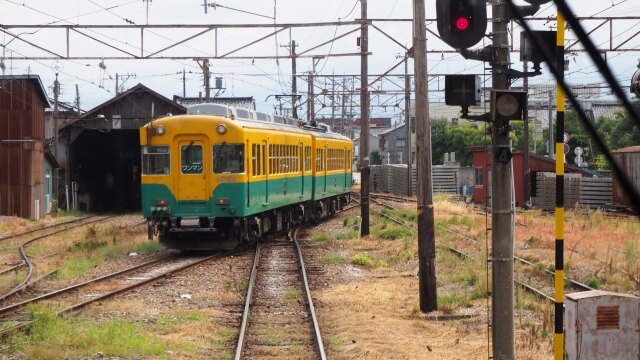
207,78
78,99
56,173
407,123
364,123
502,214
333,103
426,230
294,81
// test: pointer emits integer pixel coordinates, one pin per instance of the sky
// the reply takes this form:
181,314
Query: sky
263,78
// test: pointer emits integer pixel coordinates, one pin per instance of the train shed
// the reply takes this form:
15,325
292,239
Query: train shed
102,153
22,105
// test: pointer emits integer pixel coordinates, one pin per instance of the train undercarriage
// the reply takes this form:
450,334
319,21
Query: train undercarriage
209,233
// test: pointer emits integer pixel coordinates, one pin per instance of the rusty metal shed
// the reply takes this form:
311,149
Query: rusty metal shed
22,104
601,325
629,160
101,152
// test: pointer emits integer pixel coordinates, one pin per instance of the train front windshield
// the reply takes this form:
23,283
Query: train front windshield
155,160
228,159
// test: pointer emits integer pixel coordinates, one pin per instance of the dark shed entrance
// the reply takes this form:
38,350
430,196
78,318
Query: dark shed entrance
103,147
107,170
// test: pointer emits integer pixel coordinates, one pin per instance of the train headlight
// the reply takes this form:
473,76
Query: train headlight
160,202
221,129
222,201
160,130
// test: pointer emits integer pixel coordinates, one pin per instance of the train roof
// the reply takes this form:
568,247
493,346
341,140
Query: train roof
256,124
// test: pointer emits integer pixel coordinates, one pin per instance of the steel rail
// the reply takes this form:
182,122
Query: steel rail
9,236
14,306
312,311
28,263
81,305
247,304
292,236
527,287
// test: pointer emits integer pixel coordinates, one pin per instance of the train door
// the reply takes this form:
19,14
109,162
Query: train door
345,163
192,180
265,156
325,165
301,163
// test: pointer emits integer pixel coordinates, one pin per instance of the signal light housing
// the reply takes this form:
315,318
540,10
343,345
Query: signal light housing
461,23
508,105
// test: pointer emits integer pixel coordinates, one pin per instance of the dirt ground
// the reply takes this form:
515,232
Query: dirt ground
366,290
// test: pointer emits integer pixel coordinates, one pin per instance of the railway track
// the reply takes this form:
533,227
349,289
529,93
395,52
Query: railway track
535,283
48,231
14,317
45,228
279,318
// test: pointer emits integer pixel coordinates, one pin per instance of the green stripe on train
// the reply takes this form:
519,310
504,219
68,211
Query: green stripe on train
261,195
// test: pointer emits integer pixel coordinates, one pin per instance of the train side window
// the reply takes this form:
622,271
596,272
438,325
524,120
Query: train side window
270,159
258,160
228,158
278,160
191,159
264,163
155,160
253,160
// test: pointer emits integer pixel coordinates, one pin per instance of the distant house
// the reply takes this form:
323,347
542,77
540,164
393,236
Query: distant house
392,146
23,101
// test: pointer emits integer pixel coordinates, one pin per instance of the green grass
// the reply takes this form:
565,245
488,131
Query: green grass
362,260
291,293
409,215
167,321
345,221
393,233
52,337
450,302
148,247
76,266
76,213
319,238
336,343
351,234
333,259
594,282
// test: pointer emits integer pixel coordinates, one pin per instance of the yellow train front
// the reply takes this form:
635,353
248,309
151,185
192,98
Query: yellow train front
212,182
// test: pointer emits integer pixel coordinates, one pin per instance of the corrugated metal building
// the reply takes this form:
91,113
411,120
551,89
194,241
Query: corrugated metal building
629,160
22,104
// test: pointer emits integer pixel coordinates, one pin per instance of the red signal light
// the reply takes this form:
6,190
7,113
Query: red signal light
462,23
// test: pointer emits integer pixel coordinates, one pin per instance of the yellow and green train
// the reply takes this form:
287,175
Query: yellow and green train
211,182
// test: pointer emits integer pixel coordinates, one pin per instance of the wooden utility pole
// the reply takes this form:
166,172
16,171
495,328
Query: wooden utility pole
502,205
426,231
525,163
364,123
294,81
407,124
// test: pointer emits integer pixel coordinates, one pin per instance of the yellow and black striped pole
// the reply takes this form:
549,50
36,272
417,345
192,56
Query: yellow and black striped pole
559,273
